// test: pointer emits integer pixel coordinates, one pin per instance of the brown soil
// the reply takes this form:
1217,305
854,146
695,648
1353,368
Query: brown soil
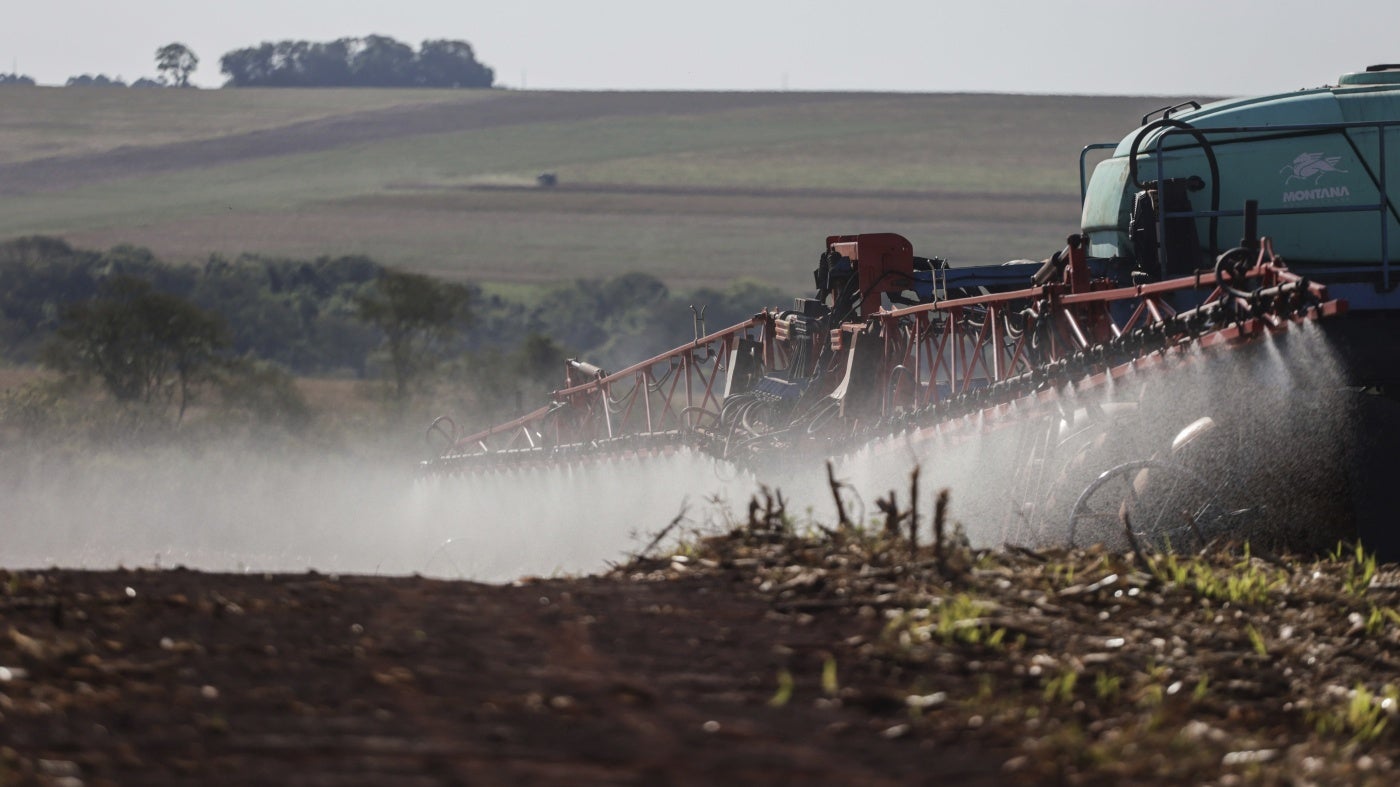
757,657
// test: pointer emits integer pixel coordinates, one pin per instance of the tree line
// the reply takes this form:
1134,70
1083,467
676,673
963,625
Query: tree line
371,61
156,334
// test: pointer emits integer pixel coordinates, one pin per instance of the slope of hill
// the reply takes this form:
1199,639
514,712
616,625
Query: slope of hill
694,187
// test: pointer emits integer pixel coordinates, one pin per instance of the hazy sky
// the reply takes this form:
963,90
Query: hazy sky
1197,47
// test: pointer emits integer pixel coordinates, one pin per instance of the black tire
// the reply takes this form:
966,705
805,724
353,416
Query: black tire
1168,506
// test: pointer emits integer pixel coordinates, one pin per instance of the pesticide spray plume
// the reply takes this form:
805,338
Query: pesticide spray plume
1283,448
236,508
572,518
1266,438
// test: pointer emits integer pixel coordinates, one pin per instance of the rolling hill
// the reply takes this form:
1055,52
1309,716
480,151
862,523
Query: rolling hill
696,188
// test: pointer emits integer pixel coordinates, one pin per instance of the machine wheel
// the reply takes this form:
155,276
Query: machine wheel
1168,506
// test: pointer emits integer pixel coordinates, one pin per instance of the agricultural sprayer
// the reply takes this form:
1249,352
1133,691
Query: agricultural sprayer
1164,375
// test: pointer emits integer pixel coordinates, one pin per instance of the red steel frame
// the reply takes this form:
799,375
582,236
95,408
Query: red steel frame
941,351
659,395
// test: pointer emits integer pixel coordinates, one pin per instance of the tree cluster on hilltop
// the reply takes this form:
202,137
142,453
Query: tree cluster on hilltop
372,61
102,80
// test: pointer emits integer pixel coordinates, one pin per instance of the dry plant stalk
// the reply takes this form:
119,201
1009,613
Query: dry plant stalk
914,513
774,508
1132,537
666,531
841,518
890,508
940,521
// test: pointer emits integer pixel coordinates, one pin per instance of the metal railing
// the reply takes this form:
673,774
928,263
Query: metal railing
1383,207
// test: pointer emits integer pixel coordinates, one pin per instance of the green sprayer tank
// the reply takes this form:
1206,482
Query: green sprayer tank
1323,164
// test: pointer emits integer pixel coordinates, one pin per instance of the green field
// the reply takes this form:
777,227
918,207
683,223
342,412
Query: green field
696,188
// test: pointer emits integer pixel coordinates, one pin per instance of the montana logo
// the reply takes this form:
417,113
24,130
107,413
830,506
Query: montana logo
1310,166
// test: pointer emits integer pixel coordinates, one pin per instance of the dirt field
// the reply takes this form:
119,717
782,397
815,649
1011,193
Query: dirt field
760,657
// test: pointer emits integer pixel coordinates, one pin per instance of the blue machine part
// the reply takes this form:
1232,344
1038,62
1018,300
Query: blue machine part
778,389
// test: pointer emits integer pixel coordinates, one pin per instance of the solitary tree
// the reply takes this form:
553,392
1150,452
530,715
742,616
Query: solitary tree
176,62
419,317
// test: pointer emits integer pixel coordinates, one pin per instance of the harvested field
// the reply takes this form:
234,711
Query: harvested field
694,187
710,236
47,123
760,656
471,110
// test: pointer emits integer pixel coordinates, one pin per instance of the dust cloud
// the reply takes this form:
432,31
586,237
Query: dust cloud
1285,424
237,509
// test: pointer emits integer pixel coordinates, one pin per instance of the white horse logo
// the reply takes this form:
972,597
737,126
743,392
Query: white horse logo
1311,166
